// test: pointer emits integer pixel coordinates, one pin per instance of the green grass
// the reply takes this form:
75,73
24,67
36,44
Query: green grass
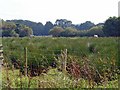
43,50
101,53
52,79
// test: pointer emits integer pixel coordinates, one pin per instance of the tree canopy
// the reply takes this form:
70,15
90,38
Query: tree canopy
61,27
10,29
56,31
112,27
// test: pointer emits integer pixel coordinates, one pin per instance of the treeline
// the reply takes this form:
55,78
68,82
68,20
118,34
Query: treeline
61,27
40,29
111,28
58,31
11,29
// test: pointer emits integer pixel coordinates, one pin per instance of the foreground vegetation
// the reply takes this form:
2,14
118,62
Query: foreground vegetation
52,79
91,62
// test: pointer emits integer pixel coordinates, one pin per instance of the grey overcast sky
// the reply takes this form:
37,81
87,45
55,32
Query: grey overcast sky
77,11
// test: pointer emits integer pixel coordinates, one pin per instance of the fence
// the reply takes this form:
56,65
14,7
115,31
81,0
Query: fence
1,61
63,58
62,55
1,53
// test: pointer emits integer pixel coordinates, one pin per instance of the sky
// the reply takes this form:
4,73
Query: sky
78,11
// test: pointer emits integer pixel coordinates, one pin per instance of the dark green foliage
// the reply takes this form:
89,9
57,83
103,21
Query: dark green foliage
47,27
38,28
26,31
9,33
96,30
86,57
63,23
10,29
69,32
112,27
85,26
118,26
56,31
52,47
92,48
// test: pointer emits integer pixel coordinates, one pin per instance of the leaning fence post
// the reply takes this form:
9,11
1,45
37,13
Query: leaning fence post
25,54
65,61
1,53
1,62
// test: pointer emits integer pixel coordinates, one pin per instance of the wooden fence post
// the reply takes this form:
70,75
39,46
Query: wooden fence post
1,54
25,53
1,62
65,61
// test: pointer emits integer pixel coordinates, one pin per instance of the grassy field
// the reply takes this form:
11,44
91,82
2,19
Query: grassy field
52,79
91,62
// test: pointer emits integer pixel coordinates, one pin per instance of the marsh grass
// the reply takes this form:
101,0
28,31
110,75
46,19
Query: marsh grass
95,58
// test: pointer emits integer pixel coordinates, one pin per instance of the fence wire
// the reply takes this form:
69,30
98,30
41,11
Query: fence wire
55,78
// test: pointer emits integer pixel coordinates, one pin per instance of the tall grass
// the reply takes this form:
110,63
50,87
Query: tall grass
94,58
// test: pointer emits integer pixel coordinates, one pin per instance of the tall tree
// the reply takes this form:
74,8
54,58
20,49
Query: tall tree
10,29
85,26
118,26
63,23
111,27
47,27
56,31
69,32
25,31
38,28
96,30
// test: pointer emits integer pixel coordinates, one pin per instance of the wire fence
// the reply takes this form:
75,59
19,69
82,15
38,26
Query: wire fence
86,71
1,62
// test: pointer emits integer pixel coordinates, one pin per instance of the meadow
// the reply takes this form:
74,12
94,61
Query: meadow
90,62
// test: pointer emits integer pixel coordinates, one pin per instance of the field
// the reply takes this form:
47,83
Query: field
60,62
